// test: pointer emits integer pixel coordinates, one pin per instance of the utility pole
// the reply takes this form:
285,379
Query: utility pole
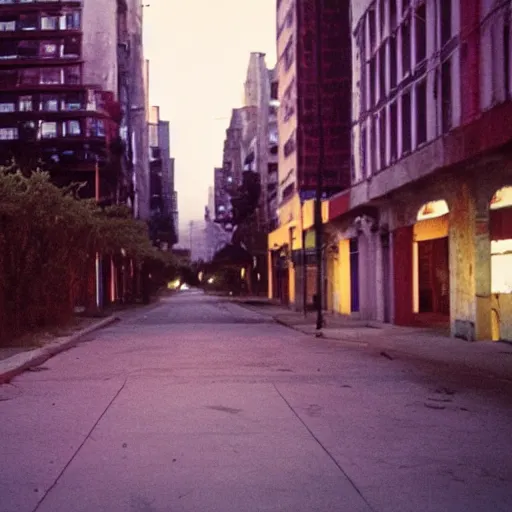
321,159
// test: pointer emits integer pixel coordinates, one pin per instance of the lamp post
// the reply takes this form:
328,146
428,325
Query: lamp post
321,158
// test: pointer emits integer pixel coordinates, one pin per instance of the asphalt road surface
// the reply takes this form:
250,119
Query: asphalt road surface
200,405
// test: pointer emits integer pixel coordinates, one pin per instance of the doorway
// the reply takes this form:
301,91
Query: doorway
354,275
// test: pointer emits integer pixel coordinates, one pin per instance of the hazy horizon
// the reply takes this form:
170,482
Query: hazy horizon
199,52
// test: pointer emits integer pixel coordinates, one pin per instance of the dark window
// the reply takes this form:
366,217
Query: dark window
8,48
274,94
28,49
446,21
72,101
393,14
363,152
29,76
72,75
372,29
50,76
382,71
421,33
373,79
373,145
406,122
8,78
393,71
382,138
289,146
288,55
446,95
29,21
406,47
71,47
421,112
393,131
382,15
49,103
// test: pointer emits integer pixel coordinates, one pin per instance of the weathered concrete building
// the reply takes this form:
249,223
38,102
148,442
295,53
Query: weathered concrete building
290,256
424,234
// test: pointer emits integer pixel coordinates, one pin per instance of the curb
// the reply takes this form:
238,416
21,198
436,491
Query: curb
15,365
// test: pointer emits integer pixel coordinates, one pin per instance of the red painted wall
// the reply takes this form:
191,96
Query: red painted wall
403,275
470,59
501,224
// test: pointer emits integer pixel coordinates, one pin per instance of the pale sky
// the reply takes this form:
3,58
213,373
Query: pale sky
199,51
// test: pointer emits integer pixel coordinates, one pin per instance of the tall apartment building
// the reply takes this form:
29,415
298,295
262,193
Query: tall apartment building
298,128
424,235
59,90
161,169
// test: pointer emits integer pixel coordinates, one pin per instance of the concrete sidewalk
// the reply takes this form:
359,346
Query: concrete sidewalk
393,341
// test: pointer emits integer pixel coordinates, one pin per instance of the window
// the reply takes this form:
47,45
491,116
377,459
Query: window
49,22
406,47
393,21
446,96
8,49
28,49
25,103
393,129
49,49
49,103
7,26
421,112
71,47
29,76
372,28
393,71
72,20
288,55
382,72
446,21
374,148
382,17
363,153
71,128
289,146
29,22
7,106
406,122
382,138
51,76
72,75
421,33
72,101
274,95
28,131
8,133
8,78
48,130
373,78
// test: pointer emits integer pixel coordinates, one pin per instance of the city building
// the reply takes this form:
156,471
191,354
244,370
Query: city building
291,259
49,110
424,235
161,169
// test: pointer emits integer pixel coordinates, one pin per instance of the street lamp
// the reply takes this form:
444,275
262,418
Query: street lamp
321,158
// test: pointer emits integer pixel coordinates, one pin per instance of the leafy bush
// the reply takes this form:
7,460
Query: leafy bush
48,243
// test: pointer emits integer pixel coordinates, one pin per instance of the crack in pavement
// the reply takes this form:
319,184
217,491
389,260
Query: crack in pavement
338,465
87,437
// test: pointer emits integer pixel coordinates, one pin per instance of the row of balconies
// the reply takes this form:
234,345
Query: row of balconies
30,131
35,50
34,78
33,104
38,24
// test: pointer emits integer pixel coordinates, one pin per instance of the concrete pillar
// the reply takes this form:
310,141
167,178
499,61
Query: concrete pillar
367,275
470,266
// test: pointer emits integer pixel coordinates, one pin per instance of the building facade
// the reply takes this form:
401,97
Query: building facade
299,45
53,108
423,236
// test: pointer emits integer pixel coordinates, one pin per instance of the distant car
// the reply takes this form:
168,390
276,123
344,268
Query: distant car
184,287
